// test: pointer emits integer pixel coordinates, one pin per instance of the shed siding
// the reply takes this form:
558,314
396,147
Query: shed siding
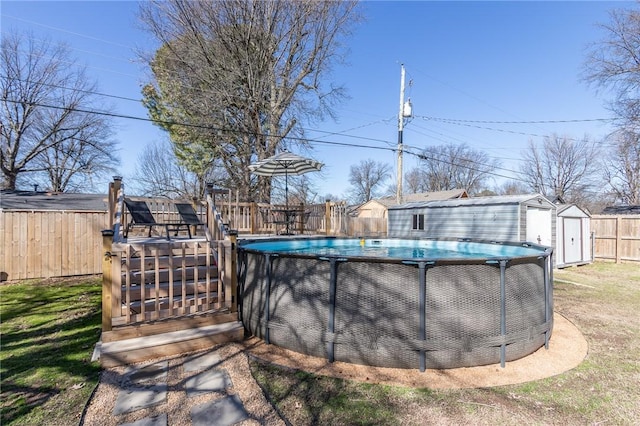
493,222
573,212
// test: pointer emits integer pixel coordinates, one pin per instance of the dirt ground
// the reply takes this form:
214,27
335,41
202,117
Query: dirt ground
567,349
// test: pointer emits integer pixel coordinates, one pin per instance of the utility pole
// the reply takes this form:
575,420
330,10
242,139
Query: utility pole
405,111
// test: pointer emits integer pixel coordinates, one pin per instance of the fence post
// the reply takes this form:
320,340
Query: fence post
107,277
327,217
618,239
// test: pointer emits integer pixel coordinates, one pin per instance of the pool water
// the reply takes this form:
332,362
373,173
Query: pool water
393,248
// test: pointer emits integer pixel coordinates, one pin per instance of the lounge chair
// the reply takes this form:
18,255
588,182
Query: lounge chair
141,217
189,216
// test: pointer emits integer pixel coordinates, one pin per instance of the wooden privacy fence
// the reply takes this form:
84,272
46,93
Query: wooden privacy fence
617,237
44,244
367,226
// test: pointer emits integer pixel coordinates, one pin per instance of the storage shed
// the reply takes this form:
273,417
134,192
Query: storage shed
574,246
378,207
530,218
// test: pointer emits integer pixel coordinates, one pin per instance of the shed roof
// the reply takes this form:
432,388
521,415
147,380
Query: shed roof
562,208
423,196
491,200
30,200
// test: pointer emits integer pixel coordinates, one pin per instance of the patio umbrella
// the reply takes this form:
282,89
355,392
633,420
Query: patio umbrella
285,164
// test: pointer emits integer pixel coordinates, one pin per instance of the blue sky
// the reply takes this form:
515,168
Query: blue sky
467,62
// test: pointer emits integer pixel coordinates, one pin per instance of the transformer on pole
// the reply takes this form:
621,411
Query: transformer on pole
405,112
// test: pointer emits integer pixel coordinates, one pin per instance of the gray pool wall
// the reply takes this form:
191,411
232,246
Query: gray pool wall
399,313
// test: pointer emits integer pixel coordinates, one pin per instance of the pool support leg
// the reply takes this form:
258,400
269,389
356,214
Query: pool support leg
503,311
422,306
422,295
548,283
267,291
333,281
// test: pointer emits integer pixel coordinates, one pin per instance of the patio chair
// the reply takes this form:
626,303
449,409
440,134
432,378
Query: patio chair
305,220
189,216
141,217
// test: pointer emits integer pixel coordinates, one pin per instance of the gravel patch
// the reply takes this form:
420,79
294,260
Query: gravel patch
179,405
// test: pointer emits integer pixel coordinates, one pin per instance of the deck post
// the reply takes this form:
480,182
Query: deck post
233,236
114,189
107,277
254,218
301,219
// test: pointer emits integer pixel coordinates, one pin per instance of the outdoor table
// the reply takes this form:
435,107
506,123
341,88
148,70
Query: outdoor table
286,217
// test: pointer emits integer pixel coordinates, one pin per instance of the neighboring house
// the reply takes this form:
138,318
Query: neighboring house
31,200
621,210
380,206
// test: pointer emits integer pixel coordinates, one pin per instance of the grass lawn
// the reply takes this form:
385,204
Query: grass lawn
49,329
602,300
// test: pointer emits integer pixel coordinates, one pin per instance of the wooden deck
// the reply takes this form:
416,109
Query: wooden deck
163,296
166,296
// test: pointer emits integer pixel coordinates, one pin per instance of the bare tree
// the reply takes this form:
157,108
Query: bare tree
613,63
366,178
622,167
415,181
238,77
512,187
160,174
302,190
45,132
561,168
452,166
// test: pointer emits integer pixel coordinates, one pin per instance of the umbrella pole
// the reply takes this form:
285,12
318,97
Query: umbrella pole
286,199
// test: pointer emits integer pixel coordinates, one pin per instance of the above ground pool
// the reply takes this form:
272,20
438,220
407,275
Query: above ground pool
398,303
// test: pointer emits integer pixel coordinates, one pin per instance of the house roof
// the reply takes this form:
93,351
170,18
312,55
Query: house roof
621,210
492,200
30,200
423,196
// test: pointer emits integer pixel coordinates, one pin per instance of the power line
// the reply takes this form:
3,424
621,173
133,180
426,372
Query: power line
450,120
88,92
201,126
464,124
313,141
66,31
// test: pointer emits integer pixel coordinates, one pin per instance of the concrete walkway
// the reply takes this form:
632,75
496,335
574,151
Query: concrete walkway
208,387
145,385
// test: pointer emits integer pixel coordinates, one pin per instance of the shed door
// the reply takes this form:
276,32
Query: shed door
539,226
572,240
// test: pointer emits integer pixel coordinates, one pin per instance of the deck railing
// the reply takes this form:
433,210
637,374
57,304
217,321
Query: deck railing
152,279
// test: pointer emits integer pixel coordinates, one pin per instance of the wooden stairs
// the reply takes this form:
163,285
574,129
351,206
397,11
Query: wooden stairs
170,302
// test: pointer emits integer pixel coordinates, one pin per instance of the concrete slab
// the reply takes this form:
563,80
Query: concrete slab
159,420
208,381
221,412
145,373
201,361
137,397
